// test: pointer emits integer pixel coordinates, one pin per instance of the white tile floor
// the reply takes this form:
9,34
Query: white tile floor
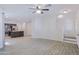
29,46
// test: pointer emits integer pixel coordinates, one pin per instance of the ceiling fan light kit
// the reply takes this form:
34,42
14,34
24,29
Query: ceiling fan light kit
39,10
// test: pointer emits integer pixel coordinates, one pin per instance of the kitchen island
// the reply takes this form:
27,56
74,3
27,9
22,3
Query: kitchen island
17,34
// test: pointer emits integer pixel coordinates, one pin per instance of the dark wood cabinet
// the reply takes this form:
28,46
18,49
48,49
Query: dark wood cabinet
17,34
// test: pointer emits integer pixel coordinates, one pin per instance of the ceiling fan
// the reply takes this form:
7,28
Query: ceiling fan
38,9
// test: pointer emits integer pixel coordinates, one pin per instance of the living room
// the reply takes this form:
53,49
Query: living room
37,29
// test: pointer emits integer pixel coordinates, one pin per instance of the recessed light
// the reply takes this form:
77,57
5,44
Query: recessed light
65,11
60,16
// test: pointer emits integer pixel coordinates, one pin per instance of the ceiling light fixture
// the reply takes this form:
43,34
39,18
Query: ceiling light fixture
38,11
65,11
60,16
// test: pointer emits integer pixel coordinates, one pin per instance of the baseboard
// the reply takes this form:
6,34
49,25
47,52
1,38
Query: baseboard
48,38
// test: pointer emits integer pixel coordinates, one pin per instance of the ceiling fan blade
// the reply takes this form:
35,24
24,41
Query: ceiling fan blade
32,8
48,5
45,9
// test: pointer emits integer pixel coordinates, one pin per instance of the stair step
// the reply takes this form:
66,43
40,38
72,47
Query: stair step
71,42
66,39
70,37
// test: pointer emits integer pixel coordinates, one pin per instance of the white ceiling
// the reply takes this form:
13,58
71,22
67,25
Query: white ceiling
16,11
22,11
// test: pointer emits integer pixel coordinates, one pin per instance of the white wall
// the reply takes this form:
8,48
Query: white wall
69,25
44,26
77,27
60,29
1,31
77,23
28,28
51,27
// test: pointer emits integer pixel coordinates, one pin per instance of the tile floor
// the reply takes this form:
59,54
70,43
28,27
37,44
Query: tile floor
29,46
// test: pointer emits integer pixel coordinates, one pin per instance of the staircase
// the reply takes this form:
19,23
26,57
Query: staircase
70,39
